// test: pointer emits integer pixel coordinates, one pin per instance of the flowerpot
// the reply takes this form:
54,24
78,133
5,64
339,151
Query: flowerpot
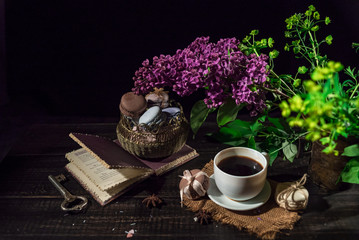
324,169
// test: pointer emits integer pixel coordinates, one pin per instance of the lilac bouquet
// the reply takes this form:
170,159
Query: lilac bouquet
220,68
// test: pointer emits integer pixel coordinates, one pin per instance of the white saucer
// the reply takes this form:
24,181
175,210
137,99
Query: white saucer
216,196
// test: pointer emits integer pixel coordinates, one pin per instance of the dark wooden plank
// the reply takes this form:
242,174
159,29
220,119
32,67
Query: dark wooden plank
44,218
30,205
334,211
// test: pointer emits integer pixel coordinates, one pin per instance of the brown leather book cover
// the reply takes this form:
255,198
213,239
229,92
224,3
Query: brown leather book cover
107,151
112,155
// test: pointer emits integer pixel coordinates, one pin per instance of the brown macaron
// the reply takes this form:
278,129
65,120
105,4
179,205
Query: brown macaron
132,105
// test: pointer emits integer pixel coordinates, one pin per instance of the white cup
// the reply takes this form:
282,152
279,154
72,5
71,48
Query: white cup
240,188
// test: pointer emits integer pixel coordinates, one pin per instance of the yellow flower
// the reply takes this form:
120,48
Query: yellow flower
335,66
357,103
296,103
316,111
327,126
311,86
336,153
285,109
313,136
296,123
328,108
311,123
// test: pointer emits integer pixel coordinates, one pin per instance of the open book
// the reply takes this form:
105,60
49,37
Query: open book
106,170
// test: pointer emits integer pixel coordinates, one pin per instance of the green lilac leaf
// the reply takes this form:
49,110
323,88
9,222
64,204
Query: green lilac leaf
290,150
276,131
273,154
199,113
227,112
229,136
272,157
243,127
226,136
350,173
237,143
351,151
237,133
344,134
255,127
252,142
276,122
230,133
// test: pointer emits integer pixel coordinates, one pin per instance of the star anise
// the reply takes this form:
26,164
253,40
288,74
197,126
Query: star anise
152,200
203,217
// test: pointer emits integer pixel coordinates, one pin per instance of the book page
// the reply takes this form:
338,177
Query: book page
102,197
101,176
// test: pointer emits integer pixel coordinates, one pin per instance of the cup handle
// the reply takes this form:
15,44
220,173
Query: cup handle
266,155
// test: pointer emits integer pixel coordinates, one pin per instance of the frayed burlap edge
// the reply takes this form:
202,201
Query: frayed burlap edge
265,222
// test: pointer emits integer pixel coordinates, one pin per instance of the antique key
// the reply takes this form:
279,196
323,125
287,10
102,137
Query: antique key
69,198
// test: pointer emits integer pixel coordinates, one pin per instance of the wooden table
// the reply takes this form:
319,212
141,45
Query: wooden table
30,205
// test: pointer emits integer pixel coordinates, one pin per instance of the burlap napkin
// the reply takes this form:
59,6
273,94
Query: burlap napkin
265,221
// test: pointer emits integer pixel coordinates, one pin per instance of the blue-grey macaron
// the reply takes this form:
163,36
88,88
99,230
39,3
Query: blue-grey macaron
172,112
151,115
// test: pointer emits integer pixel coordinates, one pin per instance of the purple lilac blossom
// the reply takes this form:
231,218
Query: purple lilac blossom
221,68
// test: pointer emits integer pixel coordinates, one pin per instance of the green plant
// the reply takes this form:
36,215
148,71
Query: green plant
272,135
301,31
328,110
322,108
350,172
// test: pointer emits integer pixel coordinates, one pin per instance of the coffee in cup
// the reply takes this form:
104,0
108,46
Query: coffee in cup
240,173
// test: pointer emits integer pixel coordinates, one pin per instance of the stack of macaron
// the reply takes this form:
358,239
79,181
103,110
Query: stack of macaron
150,110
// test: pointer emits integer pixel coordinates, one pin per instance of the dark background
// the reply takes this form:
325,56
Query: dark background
78,57
75,58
